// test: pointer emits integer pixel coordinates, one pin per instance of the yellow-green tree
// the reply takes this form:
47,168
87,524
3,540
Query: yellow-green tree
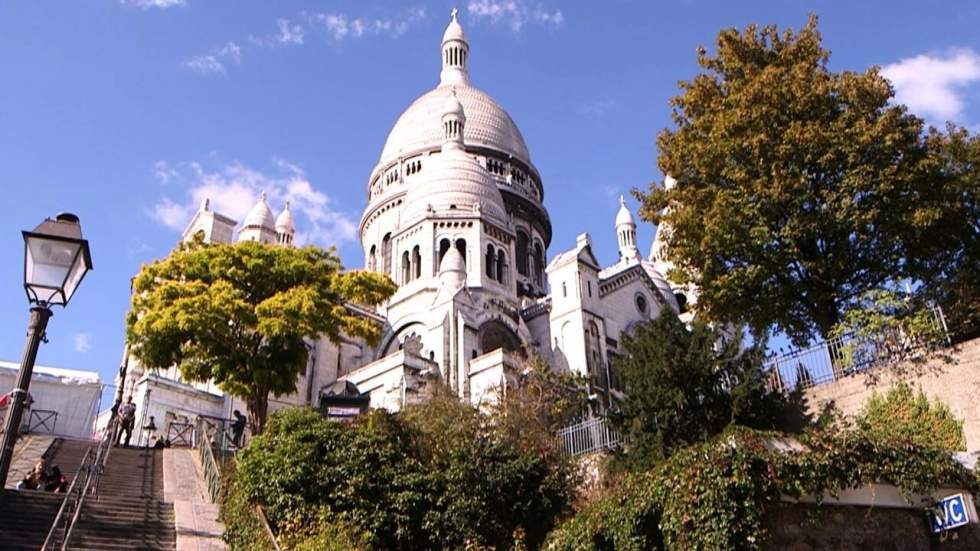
238,314
797,186
906,417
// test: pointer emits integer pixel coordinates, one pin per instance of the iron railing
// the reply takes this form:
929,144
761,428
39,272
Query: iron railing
212,473
46,419
264,521
589,436
84,483
835,358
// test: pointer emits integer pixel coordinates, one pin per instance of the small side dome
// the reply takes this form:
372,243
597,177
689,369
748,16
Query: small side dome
260,216
624,216
452,269
453,107
284,223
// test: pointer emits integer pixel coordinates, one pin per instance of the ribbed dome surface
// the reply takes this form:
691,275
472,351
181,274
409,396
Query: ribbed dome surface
419,128
284,223
624,216
662,284
260,215
454,181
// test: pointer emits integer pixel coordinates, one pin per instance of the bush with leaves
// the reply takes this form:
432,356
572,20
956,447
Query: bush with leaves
437,476
716,495
903,416
684,386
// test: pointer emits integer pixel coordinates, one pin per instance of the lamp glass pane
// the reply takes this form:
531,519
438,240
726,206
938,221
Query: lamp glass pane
78,271
47,264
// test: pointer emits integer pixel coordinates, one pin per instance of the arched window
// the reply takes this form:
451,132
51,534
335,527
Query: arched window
539,263
501,266
386,254
461,247
373,258
443,247
522,241
406,269
489,260
416,262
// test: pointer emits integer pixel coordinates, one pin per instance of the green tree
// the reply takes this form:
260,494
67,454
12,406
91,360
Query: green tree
684,386
946,250
238,314
797,186
906,417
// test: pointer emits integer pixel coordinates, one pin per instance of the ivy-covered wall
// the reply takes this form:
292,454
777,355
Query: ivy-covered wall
953,378
849,528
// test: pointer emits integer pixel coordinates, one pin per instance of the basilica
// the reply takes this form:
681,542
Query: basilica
455,216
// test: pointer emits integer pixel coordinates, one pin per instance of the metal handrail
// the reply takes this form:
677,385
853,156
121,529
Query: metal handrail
264,521
69,502
591,435
212,473
74,500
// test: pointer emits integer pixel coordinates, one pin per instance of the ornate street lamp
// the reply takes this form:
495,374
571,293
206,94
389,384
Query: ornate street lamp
56,258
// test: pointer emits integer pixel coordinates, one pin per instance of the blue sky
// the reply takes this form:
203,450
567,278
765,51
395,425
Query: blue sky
124,112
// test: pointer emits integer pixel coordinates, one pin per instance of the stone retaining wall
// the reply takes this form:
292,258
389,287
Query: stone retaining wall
952,376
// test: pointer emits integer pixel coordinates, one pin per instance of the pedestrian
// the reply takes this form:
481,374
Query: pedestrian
127,414
56,482
237,428
37,476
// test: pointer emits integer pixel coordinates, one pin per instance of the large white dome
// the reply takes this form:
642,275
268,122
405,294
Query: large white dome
456,182
487,125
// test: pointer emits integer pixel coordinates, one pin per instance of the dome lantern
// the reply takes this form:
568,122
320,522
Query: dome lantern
453,123
455,51
626,232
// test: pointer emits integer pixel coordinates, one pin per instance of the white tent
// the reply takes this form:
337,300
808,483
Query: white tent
66,401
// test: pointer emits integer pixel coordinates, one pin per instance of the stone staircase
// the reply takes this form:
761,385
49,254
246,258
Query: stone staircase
26,516
129,511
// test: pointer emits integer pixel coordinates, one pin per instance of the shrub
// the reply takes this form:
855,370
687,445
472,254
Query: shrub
904,416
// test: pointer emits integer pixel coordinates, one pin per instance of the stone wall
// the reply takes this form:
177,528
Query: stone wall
952,376
802,527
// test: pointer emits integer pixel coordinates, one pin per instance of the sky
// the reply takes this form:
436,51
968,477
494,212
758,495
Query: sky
128,112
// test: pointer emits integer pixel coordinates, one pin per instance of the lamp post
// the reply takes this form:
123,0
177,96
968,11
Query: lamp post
56,258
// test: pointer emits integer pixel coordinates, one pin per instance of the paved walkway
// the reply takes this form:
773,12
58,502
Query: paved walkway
196,518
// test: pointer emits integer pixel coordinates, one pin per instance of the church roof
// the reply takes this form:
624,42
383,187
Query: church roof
260,215
624,216
488,124
284,222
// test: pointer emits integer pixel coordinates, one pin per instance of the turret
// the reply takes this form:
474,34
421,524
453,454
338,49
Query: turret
259,224
285,228
455,51
626,233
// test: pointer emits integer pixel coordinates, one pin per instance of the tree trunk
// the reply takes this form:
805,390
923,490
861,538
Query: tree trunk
258,410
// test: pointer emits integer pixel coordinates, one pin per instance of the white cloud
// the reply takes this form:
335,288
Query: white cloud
148,4
514,13
214,61
340,26
933,85
289,33
234,188
597,107
83,342
163,172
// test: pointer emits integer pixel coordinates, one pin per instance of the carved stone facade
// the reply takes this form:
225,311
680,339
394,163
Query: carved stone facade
455,216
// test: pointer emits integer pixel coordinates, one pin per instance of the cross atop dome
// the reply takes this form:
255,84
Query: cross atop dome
454,13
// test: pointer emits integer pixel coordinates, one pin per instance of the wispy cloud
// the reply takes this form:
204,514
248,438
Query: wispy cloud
514,13
214,61
340,26
149,4
597,107
933,86
83,342
235,187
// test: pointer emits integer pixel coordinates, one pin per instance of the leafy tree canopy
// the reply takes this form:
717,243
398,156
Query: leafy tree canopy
238,314
684,386
798,188
905,417
946,253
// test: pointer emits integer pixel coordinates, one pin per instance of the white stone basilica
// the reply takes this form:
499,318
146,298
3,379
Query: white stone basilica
455,216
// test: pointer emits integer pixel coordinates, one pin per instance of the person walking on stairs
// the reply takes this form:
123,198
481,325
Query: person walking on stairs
127,414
